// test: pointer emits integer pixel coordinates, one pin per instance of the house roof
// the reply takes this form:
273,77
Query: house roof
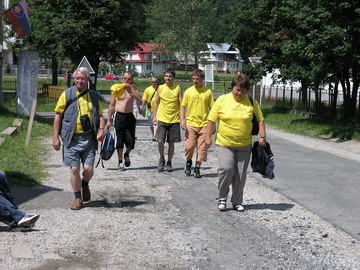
148,48
222,48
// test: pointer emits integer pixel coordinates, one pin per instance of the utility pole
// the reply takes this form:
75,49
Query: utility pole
1,53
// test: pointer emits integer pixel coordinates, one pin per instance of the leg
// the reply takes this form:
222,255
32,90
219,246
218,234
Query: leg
5,189
242,158
161,147
75,178
190,142
226,169
9,213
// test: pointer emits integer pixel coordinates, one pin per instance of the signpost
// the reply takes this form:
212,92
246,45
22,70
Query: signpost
209,75
85,63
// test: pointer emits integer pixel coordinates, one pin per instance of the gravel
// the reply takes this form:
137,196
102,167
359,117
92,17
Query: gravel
142,219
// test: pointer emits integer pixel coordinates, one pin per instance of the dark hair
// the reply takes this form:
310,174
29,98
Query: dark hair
241,80
199,73
171,71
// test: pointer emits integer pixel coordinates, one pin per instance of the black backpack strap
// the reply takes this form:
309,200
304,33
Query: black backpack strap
252,103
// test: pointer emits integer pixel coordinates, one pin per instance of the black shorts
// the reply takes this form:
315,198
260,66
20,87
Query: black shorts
125,124
168,131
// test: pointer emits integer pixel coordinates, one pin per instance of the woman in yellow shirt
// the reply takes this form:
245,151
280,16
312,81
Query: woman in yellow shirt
234,113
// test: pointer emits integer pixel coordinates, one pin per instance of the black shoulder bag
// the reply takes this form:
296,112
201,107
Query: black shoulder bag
149,103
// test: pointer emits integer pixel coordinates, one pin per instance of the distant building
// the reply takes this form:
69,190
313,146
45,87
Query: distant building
150,57
223,57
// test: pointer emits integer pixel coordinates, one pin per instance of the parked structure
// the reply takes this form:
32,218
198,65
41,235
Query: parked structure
223,57
150,58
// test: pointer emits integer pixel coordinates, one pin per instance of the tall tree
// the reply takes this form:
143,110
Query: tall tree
310,41
99,30
182,26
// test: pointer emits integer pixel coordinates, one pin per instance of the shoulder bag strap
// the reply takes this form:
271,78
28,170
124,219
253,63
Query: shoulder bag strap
71,101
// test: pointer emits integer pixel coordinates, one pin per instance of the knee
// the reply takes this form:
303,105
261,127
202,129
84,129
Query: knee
89,169
75,170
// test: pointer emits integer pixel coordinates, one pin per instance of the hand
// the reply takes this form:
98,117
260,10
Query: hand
262,142
56,144
108,125
183,125
208,142
101,135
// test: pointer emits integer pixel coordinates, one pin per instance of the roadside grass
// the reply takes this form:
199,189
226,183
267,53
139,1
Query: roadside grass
314,128
23,165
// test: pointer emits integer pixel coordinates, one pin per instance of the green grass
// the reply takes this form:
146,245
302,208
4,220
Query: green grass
301,125
23,165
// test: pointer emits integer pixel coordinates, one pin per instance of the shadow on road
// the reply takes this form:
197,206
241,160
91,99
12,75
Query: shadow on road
270,206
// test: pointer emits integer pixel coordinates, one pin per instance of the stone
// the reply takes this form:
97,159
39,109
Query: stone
22,252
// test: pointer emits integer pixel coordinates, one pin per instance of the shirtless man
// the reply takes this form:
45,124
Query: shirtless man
121,111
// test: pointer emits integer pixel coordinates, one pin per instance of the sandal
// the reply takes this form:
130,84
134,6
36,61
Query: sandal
222,204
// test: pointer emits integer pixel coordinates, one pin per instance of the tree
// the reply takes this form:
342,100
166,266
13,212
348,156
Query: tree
310,41
100,30
182,26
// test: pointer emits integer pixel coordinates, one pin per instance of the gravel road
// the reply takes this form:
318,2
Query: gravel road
143,219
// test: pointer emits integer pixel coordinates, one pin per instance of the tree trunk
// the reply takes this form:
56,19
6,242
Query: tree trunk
333,103
54,70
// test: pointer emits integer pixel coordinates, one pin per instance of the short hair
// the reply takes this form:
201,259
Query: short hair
171,71
241,80
83,70
130,73
198,72
155,77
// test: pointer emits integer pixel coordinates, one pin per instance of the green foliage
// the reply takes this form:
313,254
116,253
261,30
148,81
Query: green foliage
182,26
23,165
101,29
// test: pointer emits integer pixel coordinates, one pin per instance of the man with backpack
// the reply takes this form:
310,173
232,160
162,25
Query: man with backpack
80,122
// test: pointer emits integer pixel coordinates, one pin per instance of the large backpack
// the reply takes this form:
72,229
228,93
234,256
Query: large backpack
262,160
107,148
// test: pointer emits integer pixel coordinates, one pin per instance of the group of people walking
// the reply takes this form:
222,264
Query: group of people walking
168,111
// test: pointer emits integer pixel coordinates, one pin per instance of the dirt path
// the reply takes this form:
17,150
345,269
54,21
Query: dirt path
143,219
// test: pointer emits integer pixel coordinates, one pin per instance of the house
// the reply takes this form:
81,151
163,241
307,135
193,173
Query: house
223,57
150,58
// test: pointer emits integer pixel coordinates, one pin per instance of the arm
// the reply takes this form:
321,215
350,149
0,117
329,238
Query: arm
156,105
262,133
110,111
101,132
182,117
57,124
133,92
209,132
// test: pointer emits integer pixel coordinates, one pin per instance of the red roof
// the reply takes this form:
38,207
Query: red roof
145,48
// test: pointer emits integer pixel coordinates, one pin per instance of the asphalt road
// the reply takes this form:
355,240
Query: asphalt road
321,182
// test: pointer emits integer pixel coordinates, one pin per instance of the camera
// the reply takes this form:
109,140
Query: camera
148,105
85,122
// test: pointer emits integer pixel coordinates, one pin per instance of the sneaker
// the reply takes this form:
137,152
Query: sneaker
86,194
161,164
121,166
169,167
197,173
127,159
239,207
154,139
222,204
23,228
77,204
187,169
27,220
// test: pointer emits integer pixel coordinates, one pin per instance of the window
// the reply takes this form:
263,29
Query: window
148,67
220,65
220,56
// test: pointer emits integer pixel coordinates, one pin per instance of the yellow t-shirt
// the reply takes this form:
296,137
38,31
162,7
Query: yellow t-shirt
169,107
198,101
118,90
149,96
85,106
235,120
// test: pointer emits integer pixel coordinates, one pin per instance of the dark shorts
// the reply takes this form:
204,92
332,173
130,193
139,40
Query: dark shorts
125,124
169,132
